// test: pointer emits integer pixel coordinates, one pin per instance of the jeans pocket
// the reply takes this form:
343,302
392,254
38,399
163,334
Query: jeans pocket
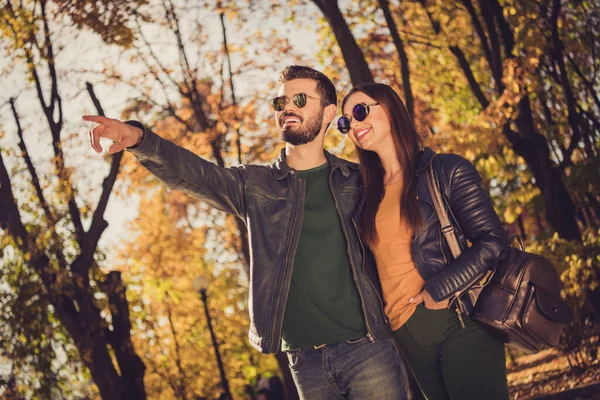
294,358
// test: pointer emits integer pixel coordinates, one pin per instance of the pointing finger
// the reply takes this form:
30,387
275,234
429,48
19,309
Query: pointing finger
99,119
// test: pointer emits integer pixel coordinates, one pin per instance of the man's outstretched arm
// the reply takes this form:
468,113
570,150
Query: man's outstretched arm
222,188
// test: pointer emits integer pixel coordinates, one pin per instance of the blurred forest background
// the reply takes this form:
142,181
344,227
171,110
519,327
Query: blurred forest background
98,259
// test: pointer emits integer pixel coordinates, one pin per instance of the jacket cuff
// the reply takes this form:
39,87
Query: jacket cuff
439,290
148,138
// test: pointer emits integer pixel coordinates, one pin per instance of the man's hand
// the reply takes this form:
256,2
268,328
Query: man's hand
424,296
123,135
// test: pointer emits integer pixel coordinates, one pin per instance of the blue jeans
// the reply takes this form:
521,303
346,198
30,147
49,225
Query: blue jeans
357,369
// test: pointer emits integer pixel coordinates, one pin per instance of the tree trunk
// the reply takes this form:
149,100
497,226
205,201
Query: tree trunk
560,210
533,146
72,295
353,56
528,143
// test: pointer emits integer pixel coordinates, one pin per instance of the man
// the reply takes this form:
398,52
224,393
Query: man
314,291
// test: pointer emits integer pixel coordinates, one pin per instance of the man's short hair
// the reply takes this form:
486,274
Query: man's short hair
325,87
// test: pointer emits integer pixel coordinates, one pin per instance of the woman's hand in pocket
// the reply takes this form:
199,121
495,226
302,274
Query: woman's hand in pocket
425,297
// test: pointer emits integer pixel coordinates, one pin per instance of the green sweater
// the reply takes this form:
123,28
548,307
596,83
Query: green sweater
323,305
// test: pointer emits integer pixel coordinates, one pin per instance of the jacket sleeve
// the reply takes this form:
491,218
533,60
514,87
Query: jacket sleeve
222,188
479,223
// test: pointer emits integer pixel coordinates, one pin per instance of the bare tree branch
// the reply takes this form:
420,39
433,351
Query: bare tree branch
462,61
572,115
466,68
182,389
504,28
492,33
403,58
156,60
485,47
233,98
185,64
55,125
30,167
99,224
191,83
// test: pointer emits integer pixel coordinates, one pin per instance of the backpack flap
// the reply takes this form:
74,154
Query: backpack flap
552,307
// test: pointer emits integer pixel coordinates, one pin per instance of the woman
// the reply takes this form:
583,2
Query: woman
451,356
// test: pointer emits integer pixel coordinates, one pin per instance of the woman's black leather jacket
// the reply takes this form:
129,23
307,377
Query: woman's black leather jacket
474,219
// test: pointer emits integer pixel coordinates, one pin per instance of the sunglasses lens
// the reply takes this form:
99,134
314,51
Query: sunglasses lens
278,103
360,112
300,100
343,125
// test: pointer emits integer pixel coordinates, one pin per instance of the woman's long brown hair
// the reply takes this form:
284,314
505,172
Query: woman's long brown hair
408,144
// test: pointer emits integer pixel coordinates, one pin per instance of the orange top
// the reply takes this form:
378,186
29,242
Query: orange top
399,277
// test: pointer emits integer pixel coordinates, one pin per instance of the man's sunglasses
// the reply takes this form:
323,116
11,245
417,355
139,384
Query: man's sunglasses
359,113
299,100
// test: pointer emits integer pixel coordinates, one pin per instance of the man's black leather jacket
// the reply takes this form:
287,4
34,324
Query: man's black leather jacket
270,200
474,219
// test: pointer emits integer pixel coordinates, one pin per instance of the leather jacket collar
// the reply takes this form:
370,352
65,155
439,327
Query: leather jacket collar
426,155
281,169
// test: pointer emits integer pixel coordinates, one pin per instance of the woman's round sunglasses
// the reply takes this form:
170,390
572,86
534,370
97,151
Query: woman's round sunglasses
359,113
299,99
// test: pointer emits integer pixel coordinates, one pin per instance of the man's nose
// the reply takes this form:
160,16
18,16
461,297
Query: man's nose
290,107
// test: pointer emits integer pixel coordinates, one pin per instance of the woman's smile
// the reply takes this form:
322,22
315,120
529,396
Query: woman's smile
360,133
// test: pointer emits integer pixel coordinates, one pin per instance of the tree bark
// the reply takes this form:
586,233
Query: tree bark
353,56
130,364
533,147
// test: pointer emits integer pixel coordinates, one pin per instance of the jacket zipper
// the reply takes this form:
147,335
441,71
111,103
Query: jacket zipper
458,310
278,320
365,273
352,266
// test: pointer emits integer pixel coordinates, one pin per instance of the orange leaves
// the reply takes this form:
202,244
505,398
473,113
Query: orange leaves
167,251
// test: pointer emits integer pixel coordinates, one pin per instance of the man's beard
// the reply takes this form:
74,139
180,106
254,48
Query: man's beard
305,133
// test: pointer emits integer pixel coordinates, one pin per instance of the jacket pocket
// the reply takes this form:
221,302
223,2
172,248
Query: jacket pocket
350,190
260,194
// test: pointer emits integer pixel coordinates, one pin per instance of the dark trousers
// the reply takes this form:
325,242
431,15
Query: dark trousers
449,362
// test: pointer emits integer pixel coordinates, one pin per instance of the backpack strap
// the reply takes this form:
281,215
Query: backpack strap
478,284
